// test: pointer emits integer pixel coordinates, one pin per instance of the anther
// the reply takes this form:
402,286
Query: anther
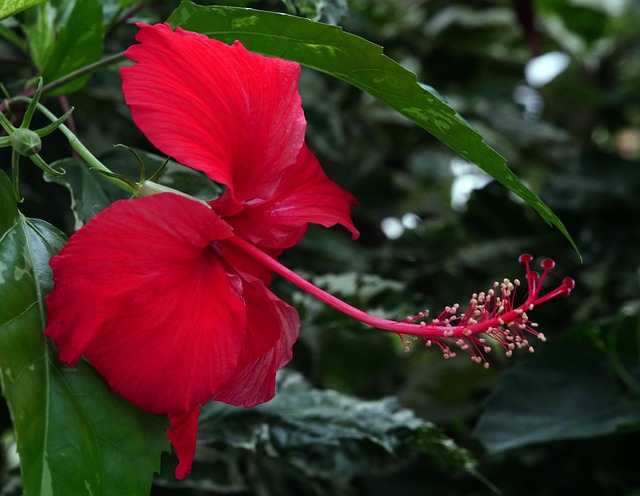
525,258
548,264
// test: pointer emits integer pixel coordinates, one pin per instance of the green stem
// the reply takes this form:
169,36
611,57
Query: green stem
83,71
28,115
15,175
6,124
58,83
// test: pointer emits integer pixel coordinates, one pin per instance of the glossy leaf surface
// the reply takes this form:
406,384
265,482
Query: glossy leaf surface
74,435
64,36
12,7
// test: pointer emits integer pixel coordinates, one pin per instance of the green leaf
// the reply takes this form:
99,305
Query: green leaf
39,31
7,32
12,7
319,433
232,3
90,193
361,63
570,391
63,36
74,435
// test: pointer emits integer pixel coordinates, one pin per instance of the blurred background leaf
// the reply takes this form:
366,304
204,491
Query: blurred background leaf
62,36
578,392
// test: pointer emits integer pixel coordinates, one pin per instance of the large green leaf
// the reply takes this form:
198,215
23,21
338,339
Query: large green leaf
63,36
361,63
11,7
322,434
74,435
570,391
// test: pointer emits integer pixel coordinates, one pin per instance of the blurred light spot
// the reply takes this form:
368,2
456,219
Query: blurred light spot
468,177
392,227
530,99
410,220
545,68
628,143
602,138
613,8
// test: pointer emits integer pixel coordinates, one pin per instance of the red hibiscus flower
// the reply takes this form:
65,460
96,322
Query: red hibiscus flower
168,297
150,290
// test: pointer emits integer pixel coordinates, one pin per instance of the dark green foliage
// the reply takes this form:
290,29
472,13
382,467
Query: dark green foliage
307,434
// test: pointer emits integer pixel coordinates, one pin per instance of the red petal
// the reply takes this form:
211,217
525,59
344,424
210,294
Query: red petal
183,435
230,113
141,293
247,265
272,329
305,194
